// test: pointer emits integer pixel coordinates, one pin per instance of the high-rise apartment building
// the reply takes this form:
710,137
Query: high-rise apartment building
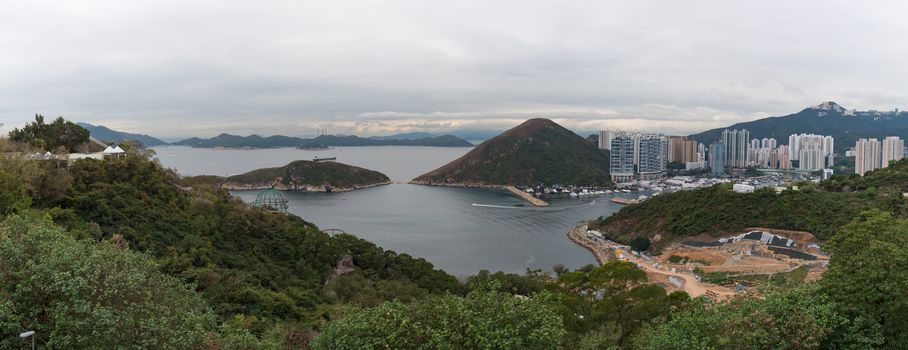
893,149
681,150
637,155
736,146
623,149
867,155
605,139
717,159
651,156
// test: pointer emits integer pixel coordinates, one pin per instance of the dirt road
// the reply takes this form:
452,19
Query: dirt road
602,248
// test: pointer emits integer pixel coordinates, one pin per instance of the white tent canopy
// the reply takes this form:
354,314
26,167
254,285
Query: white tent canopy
113,150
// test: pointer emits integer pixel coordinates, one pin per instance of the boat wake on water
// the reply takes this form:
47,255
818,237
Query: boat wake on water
501,206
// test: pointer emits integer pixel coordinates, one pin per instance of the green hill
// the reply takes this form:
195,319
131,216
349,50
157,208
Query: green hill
820,208
308,175
539,151
825,119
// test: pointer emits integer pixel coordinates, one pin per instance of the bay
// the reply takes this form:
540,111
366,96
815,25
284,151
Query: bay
459,230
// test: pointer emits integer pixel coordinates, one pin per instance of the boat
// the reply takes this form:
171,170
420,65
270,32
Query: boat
326,159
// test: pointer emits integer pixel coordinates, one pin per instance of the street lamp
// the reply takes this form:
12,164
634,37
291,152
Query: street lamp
29,334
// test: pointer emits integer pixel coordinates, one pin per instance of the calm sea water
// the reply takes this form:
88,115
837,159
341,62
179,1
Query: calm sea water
459,230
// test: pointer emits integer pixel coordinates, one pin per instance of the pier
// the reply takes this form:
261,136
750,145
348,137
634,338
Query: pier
527,197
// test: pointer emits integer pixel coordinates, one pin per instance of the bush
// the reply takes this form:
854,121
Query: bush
80,295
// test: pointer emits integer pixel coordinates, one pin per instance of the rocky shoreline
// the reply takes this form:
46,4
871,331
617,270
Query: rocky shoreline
297,187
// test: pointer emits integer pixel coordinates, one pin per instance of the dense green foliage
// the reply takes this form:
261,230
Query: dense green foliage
255,141
78,294
817,208
594,307
799,318
868,274
845,129
105,134
539,151
302,173
482,320
58,135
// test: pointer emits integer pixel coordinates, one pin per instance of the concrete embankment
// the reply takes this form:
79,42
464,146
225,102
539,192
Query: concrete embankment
578,236
514,190
527,197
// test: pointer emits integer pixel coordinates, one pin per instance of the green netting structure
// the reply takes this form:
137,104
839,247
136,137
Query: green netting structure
270,199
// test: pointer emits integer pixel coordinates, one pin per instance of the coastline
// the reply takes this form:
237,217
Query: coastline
689,282
516,192
303,188
577,234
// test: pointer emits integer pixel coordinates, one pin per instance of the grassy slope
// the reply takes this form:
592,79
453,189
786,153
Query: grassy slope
537,151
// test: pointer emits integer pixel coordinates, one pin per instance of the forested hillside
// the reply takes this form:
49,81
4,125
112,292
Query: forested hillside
538,151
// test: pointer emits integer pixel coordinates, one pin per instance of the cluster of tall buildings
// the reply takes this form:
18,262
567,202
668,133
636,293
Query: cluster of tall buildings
635,156
813,152
737,150
870,154
643,156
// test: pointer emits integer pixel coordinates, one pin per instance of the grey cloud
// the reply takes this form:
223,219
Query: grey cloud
182,68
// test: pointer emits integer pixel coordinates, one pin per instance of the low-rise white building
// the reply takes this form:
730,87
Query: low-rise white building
742,188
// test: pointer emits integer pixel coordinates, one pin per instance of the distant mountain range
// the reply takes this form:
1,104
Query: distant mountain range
828,118
539,151
255,141
104,134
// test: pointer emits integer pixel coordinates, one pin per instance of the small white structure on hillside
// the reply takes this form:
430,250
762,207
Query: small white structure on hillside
742,188
112,151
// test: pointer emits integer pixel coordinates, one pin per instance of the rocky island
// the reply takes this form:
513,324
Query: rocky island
304,175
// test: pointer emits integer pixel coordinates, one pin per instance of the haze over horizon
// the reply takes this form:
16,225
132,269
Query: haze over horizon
176,69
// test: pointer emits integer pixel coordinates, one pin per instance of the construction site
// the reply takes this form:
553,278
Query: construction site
720,268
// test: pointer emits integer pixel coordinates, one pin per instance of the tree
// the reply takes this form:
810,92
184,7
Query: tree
84,295
640,244
607,305
58,134
868,275
13,194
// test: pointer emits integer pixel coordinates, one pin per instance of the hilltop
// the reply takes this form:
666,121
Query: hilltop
828,118
277,141
308,176
105,134
539,151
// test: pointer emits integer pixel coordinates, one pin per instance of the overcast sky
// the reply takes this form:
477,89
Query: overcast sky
198,68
